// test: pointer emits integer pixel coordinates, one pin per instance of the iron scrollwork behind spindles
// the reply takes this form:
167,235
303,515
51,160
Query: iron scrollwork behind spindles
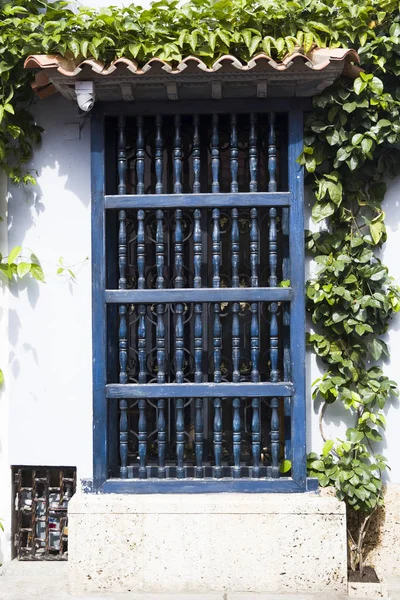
217,341
160,342
198,344
142,378
179,345
274,333
236,425
123,330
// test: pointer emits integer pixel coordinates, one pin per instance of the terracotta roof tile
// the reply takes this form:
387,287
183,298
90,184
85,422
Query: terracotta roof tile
61,71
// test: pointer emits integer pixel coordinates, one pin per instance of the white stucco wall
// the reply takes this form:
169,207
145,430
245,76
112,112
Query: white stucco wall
46,402
50,344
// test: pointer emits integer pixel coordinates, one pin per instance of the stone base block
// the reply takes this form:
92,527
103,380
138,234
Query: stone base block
207,543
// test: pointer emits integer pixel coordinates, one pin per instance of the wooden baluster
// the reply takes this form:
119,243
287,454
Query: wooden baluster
196,155
121,156
253,152
215,155
274,340
236,425
254,346
254,326
217,341
234,155
160,343
177,156
140,153
272,153
179,345
142,378
123,329
159,155
198,344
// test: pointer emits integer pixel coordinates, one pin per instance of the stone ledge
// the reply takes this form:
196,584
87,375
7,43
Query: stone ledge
202,543
306,504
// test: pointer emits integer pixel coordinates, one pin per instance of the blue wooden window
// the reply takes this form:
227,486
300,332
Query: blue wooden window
199,374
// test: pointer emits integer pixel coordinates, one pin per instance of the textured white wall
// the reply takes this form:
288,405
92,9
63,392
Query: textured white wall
50,362
5,475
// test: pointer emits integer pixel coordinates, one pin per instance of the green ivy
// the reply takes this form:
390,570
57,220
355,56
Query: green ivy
351,147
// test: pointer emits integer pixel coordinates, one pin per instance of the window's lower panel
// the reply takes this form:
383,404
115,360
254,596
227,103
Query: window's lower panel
201,438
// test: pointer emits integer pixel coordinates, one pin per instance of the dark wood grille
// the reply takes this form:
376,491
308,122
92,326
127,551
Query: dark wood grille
41,502
203,243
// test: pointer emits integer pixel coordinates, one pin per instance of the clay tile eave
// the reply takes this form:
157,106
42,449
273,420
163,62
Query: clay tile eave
297,64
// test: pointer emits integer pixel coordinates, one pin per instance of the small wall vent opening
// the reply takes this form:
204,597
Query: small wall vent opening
41,496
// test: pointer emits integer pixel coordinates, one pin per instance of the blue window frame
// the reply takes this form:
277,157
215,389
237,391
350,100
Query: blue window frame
157,172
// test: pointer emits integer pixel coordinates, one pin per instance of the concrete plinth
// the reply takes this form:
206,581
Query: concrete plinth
207,543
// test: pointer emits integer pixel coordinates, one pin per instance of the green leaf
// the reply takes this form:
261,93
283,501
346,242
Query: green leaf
255,42
74,46
350,107
37,272
15,252
1,377
376,86
23,268
378,275
323,480
322,210
134,49
359,86
333,138
224,37
377,228
366,145
308,41
318,465
84,48
9,108
192,37
212,39
285,466
327,447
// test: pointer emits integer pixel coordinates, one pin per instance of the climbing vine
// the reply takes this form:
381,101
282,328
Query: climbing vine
351,147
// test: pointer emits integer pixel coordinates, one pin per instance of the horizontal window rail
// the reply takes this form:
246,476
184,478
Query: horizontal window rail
210,200
199,295
205,390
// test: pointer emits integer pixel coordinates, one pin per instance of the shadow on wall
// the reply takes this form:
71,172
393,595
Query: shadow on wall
61,162
38,214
